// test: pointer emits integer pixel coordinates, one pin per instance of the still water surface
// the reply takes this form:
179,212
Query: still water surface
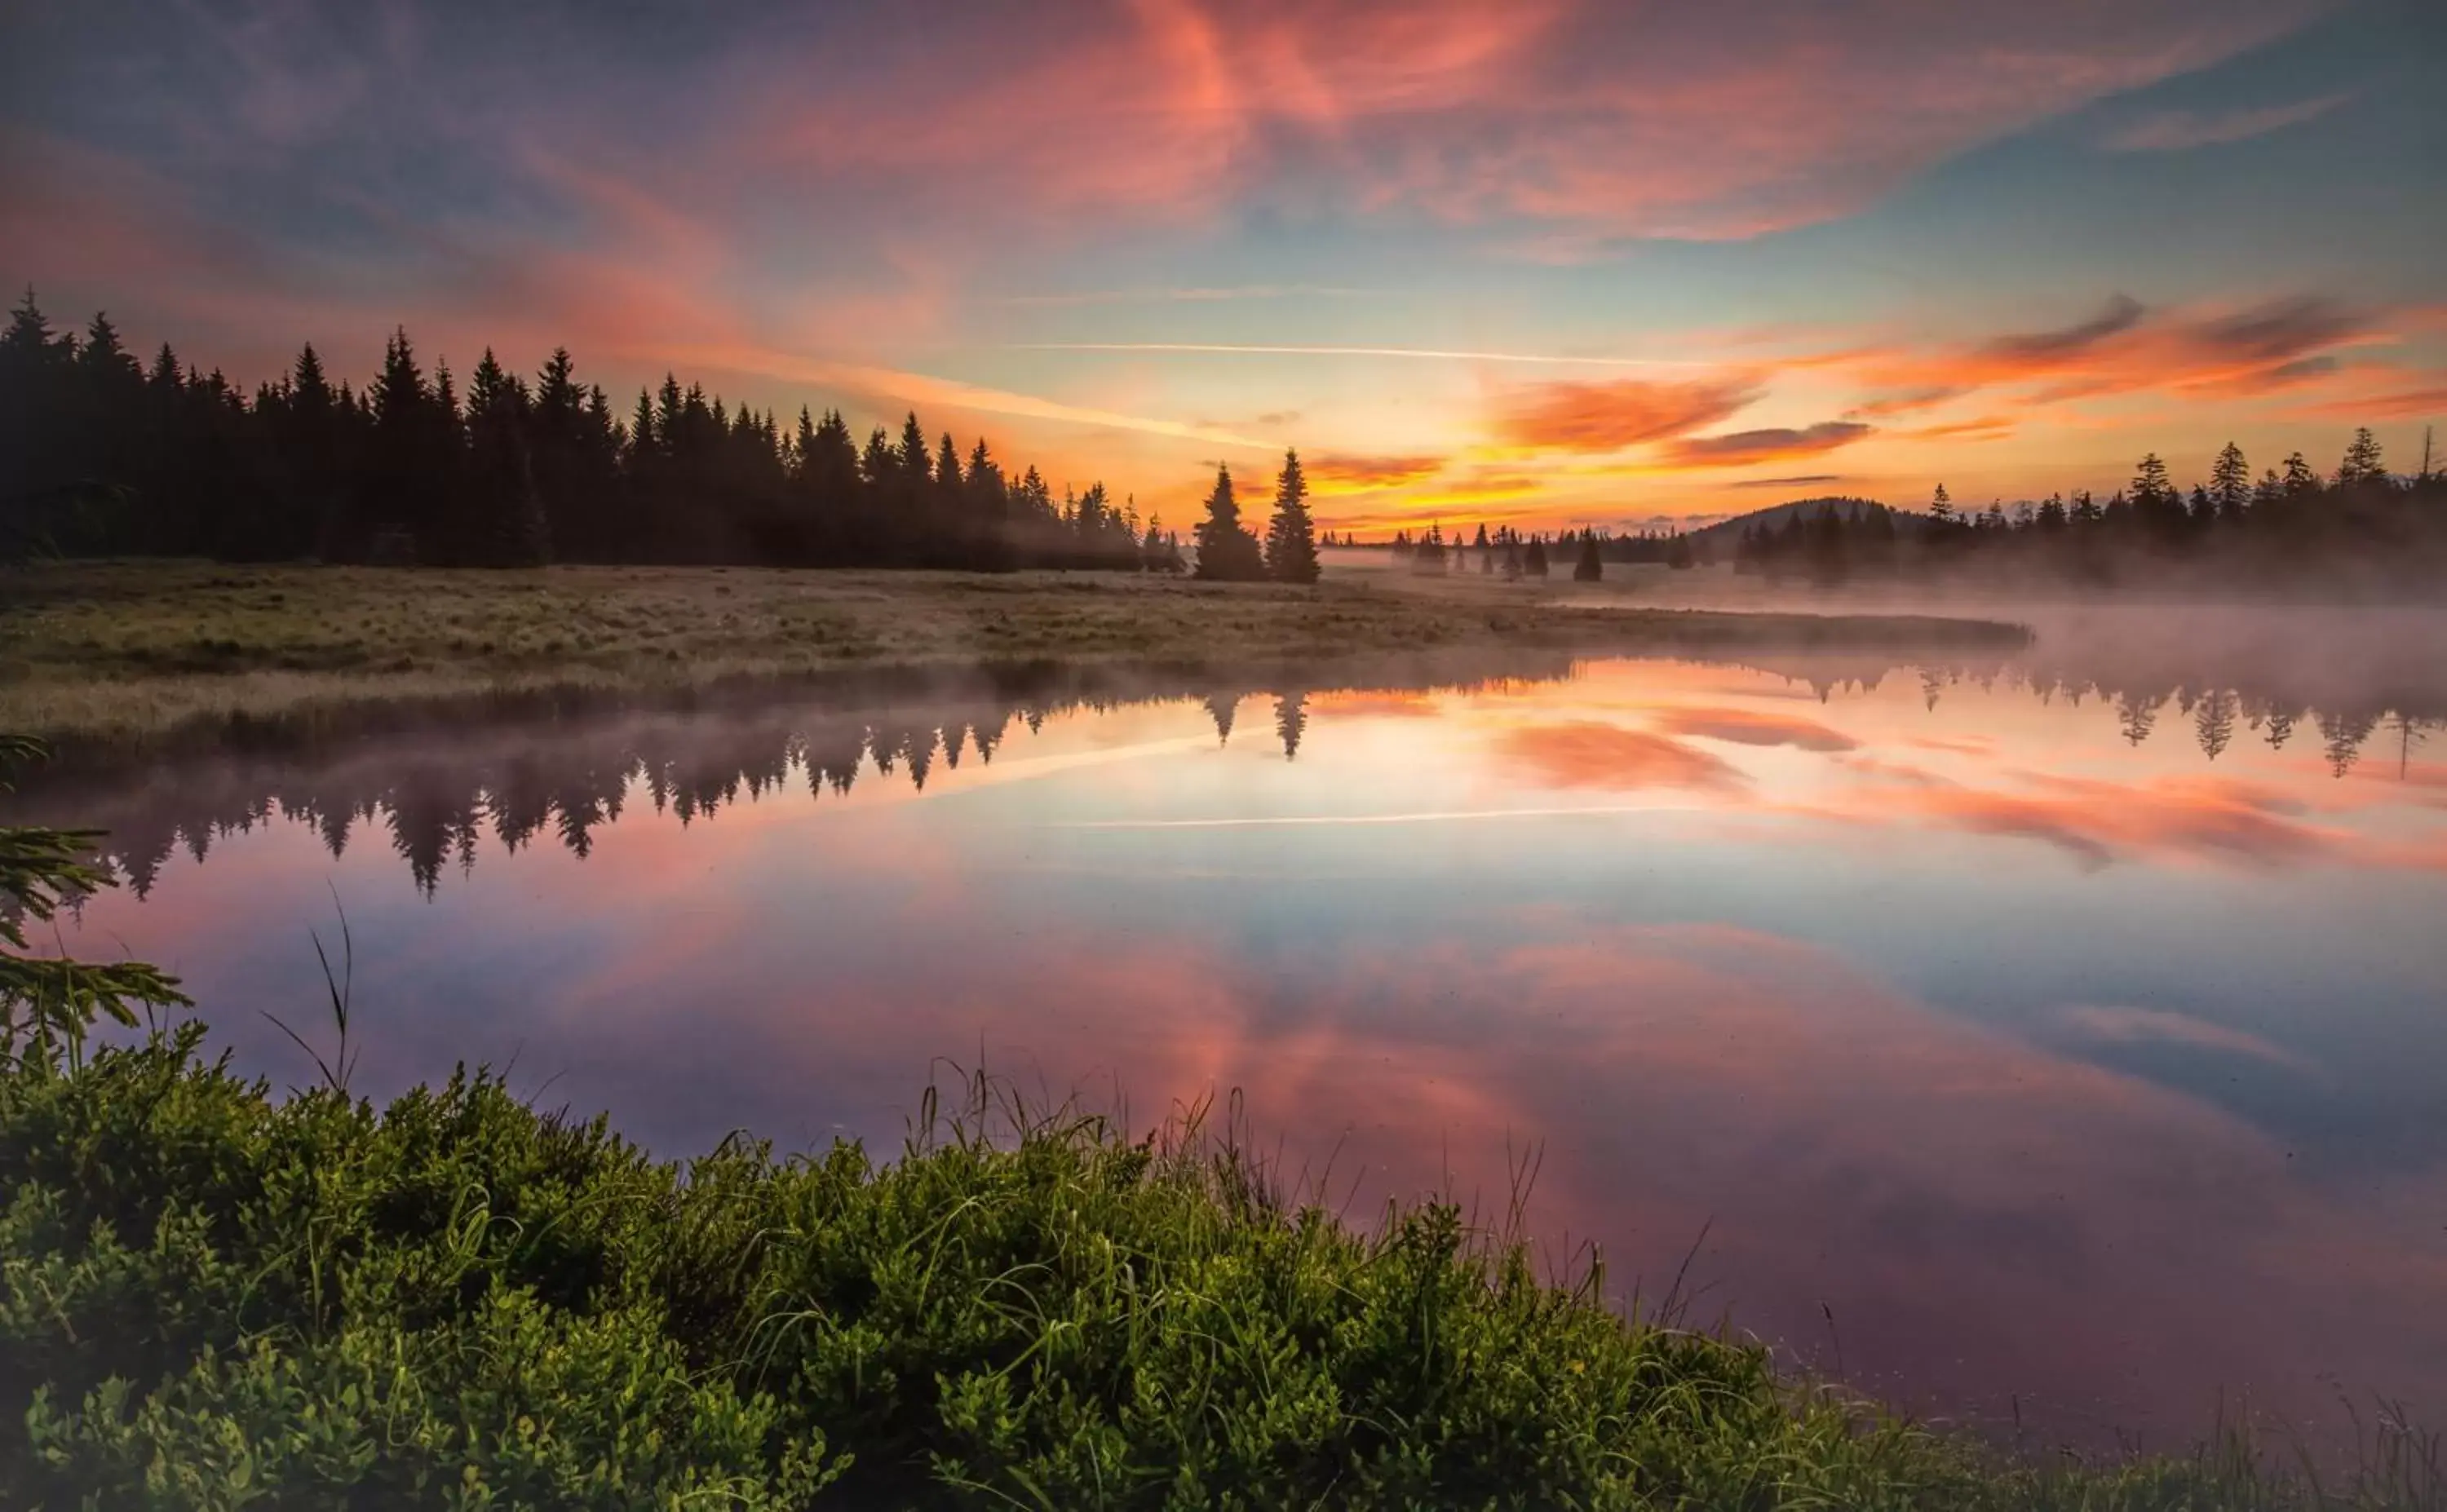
2007,1041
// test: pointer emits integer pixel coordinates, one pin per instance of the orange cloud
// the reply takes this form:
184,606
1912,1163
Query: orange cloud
1588,753
2235,353
1359,474
1603,417
1986,428
2402,404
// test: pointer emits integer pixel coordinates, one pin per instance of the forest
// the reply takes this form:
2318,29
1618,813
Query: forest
103,455
2358,526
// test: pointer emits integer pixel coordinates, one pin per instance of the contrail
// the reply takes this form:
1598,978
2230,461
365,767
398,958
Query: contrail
1434,353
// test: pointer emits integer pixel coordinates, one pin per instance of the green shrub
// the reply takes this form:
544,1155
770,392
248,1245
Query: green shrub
213,1298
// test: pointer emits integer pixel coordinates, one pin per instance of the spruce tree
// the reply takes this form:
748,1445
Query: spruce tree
505,524
1291,544
1590,568
2152,495
2362,461
1227,553
2231,484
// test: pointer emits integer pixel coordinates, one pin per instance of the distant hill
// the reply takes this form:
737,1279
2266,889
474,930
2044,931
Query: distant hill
1726,532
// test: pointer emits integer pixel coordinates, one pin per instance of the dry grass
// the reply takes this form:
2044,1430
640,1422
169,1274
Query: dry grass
133,647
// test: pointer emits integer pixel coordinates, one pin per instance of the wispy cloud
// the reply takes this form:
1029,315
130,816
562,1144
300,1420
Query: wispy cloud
923,388
1796,481
1426,353
1333,474
1606,416
1191,295
1742,448
2180,130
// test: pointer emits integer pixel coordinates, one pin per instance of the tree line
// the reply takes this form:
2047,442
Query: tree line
101,454
2359,523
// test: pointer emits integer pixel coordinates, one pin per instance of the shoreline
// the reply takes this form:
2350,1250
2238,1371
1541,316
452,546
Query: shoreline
137,650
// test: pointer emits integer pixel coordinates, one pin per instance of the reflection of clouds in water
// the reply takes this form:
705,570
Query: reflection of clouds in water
1744,727
2098,1024
2092,1194
1588,753
1958,1196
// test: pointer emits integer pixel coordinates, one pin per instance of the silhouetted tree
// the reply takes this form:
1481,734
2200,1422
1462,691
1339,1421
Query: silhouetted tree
1291,543
1589,568
2231,484
1227,553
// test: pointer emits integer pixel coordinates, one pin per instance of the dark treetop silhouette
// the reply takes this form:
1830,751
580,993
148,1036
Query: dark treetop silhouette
100,455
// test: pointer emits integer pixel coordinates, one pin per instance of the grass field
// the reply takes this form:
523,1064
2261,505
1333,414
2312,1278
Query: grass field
133,647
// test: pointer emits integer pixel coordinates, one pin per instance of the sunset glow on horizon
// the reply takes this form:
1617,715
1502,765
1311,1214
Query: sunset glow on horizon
1551,262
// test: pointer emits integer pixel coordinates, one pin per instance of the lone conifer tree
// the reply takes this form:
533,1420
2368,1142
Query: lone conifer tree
1227,553
1589,568
1290,542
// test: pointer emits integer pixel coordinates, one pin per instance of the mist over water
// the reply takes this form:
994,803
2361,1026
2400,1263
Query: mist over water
2056,1033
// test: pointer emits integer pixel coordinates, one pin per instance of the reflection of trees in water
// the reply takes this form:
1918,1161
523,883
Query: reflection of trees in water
2214,721
1221,707
437,791
2345,709
2136,716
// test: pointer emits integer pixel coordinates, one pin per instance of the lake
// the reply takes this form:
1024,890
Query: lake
2057,1040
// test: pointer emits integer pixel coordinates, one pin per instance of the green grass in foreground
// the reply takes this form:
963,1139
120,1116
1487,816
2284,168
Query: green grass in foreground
213,1298
131,648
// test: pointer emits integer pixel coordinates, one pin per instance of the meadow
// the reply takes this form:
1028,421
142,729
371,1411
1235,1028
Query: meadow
130,648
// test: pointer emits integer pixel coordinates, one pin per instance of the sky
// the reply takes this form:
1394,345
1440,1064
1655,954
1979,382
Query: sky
1546,263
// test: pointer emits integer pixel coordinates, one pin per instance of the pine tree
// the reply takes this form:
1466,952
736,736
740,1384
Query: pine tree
1941,506
1533,561
2231,484
506,525
1590,568
2152,495
1227,553
2362,461
1291,546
